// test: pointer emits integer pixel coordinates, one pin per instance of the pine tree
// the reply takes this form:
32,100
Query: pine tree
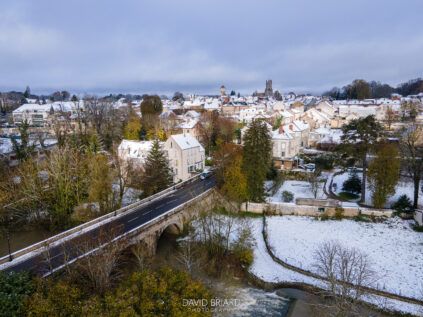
157,175
257,158
359,137
384,174
352,184
23,149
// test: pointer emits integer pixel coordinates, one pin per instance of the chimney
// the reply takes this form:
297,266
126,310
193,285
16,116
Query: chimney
280,129
291,127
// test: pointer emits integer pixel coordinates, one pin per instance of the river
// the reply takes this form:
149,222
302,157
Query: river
242,299
22,239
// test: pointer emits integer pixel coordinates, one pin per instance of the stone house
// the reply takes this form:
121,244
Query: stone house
185,154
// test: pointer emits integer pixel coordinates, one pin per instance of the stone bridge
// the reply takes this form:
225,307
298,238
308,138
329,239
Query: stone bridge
143,222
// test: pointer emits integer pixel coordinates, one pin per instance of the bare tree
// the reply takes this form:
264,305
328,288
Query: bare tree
390,116
411,148
128,174
100,256
347,272
141,255
314,181
187,255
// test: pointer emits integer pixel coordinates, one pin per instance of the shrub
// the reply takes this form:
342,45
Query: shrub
361,217
339,213
403,205
245,257
352,184
324,161
287,196
14,288
324,217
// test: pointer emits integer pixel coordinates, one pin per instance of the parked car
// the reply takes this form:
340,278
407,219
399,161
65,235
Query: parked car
206,174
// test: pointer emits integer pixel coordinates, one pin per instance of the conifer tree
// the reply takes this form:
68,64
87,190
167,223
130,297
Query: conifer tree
358,139
384,174
257,158
23,149
156,171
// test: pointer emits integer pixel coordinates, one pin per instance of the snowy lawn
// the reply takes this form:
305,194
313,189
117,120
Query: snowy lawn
404,187
395,250
300,189
267,270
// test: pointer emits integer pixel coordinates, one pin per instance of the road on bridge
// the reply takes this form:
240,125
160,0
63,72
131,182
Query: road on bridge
38,264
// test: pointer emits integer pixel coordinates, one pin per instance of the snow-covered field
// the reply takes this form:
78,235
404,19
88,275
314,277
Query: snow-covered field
395,250
403,187
266,269
300,189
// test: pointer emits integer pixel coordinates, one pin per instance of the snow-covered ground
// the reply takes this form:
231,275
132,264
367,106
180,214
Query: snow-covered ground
267,270
300,189
404,187
395,250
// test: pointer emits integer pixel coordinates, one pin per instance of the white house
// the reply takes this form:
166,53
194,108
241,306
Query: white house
185,154
134,152
285,147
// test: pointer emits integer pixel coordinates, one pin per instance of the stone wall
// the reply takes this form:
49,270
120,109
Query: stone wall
302,210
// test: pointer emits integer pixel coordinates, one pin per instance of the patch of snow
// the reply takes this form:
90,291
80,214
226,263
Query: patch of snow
404,187
300,189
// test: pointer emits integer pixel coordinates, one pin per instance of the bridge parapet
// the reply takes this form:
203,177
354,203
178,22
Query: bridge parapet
86,226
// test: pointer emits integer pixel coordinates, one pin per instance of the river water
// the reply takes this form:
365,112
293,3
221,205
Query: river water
242,299
21,239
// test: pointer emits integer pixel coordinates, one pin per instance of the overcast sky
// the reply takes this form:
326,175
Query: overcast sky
160,46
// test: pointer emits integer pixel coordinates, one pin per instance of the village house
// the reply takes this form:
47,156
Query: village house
185,154
285,147
132,152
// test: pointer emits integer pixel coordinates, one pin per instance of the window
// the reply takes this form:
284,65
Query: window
321,209
171,145
283,154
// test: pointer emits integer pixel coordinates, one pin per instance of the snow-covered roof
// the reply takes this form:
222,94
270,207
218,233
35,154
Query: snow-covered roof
189,124
192,114
136,149
65,106
186,141
276,135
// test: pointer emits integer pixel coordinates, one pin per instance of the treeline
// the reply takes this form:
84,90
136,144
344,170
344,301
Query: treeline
361,89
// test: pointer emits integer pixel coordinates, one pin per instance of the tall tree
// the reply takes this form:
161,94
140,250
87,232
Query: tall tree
100,189
23,149
360,89
133,127
411,148
359,137
235,183
390,116
384,174
223,158
257,157
151,105
156,176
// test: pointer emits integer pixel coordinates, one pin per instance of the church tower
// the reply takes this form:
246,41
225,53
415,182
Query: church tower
268,92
